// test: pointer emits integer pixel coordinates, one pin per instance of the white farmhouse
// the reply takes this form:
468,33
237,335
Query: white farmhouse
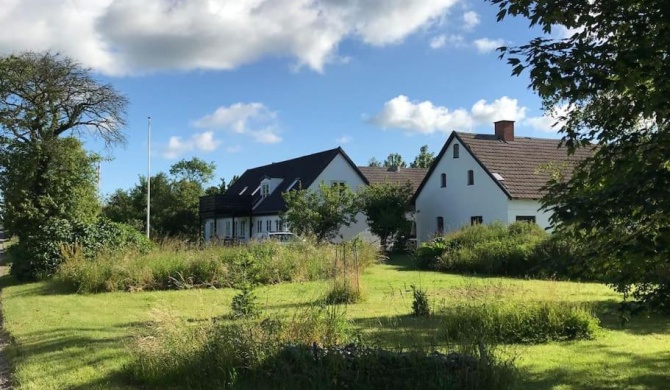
483,178
254,202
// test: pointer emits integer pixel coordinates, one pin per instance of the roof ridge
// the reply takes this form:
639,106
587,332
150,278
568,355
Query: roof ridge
296,158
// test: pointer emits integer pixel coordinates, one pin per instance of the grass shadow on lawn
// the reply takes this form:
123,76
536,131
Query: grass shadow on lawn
612,318
608,369
401,262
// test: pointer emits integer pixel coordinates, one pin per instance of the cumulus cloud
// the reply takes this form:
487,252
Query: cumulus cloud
200,142
427,118
252,119
470,20
549,122
486,45
119,37
445,40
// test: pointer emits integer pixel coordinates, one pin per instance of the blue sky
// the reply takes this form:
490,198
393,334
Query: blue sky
248,83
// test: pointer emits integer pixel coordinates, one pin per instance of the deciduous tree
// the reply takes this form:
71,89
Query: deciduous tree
320,213
608,82
386,206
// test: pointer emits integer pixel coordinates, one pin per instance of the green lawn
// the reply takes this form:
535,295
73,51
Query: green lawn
80,341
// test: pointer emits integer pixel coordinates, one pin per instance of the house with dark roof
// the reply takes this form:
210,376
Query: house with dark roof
483,178
254,203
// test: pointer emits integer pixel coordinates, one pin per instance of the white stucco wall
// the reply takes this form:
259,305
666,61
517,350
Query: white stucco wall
458,201
340,170
528,207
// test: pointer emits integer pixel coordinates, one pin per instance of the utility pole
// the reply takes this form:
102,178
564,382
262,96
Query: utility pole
148,175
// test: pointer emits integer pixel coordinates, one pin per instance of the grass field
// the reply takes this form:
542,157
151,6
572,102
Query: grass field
81,341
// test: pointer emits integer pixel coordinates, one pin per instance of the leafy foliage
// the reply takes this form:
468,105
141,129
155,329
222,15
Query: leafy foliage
424,159
373,162
386,206
394,160
609,78
52,179
174,200
41,255
320,213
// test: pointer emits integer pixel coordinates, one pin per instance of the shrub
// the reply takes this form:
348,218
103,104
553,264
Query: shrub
39,256
519,323
343,291
420,305
428,254
245,304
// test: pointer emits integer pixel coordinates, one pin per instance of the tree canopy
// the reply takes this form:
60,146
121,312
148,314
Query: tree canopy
46,95
424,159
386,206
320,213
394,160
608,82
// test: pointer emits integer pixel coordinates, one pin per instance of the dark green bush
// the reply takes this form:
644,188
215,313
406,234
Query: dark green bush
428,254
40,255
245,304
420,304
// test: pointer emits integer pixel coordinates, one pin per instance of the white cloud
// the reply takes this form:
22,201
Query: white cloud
470,20
118,37
200,142
252,119
439,41
427,118
549,122
486,45
345,139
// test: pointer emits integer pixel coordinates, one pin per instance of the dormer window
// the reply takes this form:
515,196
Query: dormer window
296,185
265,190
456,150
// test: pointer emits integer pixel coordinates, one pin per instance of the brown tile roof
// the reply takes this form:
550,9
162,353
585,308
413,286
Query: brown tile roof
519,161
377,175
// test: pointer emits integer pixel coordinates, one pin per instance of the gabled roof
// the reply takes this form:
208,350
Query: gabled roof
517,162
378,175
306,168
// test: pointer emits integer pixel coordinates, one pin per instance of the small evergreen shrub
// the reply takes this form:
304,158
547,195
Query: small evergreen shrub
245,304
420,304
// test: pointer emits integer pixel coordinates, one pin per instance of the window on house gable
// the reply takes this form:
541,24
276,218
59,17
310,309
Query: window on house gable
456,150
440,225
471,177
443,180
265,190
525,218
268,225
340,184
476,220
259,226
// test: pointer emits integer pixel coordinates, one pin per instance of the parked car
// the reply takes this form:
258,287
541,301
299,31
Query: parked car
276,236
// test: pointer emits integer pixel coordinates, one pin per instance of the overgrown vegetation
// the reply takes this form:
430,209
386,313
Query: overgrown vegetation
286,354
177,267
519,249
532,322
60,239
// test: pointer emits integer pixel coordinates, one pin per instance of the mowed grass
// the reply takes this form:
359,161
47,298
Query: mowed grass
81,341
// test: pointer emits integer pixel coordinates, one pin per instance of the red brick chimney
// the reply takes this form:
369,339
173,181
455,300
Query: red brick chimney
504,130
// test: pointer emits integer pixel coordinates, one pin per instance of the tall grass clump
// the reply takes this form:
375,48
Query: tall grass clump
311,350
173,266
534,322
494,249
345,280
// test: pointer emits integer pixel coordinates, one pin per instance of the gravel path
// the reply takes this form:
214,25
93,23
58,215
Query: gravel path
5,374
